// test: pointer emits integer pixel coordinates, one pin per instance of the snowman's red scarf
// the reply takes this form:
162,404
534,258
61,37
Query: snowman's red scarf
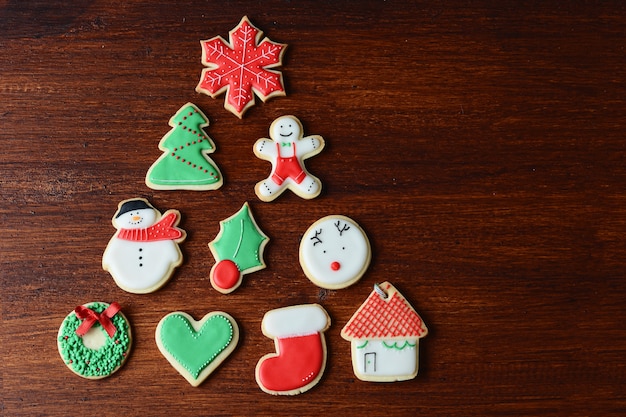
162,230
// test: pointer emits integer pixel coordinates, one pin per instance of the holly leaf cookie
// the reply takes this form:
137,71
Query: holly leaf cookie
196,348
237,249
185,163
241,67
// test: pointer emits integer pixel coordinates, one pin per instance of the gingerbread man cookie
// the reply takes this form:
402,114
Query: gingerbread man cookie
286,150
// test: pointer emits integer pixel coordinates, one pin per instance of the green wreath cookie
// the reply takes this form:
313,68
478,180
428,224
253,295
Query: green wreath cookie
94,340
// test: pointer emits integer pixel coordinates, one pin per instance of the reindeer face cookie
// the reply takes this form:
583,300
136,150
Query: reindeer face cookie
334,252
286,150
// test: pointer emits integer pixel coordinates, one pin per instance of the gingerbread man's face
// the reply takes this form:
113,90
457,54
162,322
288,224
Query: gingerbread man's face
334,252
286,129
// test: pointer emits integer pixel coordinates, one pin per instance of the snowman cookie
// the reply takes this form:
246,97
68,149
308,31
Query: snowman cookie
144,252
94,340
334,252
286,150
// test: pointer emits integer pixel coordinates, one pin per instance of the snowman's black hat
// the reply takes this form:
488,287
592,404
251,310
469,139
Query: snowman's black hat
130,205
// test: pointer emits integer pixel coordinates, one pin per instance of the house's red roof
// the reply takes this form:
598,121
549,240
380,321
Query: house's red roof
380,318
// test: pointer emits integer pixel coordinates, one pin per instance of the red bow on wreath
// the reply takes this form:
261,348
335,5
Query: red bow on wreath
90,317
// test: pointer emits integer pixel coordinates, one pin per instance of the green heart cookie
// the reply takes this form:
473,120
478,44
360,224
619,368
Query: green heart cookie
196,348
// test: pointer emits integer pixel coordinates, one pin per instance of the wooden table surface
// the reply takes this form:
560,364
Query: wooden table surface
480,145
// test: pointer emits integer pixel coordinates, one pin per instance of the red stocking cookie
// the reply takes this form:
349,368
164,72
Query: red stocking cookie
287,150
300,358
385,333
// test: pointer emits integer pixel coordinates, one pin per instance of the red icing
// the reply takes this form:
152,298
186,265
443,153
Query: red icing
162,230
385,318
90,317
241,65
335,266
299,362
226,274
287,167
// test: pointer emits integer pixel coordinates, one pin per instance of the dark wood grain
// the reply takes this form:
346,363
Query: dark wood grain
480,145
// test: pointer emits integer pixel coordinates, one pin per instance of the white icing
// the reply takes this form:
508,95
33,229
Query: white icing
295,321
285,129
287,142
95,338
334,252
139,266
376,358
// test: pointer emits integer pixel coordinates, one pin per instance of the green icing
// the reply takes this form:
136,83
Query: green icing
89,362
195,350
185,161
363,345
398,347
240,240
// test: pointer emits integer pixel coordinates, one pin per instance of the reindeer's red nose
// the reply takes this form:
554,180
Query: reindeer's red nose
335,266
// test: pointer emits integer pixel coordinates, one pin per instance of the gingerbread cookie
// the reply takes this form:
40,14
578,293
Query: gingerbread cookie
334,252
286,150
300,358
143,253
241,68
196,348
94,340
237,249
185,163
384,334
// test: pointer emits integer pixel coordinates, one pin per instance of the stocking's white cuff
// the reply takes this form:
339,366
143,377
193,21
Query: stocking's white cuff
295,321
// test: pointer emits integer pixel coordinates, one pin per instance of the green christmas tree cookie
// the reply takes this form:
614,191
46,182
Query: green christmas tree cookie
185,163
237,249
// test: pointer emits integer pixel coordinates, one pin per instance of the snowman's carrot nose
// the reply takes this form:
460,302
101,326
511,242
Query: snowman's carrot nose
136,218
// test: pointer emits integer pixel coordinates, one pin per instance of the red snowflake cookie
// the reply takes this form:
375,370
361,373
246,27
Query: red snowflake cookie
241,67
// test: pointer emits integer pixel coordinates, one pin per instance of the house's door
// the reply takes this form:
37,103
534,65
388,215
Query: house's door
370,363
